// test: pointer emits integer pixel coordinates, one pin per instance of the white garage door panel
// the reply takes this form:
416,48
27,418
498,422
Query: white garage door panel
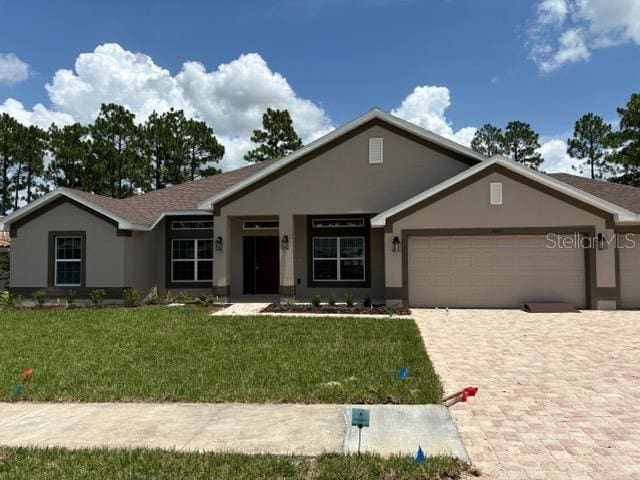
493,271
629,252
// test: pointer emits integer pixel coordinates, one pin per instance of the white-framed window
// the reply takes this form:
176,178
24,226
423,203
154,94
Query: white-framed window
68,261
376,150
191,260
337,223
495,192
192,225
339,259
260,224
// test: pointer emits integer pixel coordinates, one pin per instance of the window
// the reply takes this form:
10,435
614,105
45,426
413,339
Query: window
192,260
338,223
495,192
338,259
260,224
376,150
68,261
192,225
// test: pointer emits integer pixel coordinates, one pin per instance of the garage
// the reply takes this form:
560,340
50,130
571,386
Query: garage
629,264
493,272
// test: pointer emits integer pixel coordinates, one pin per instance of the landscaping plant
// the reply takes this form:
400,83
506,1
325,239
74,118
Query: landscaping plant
332,300
316,301
350,299
131,297
40,297
289,302
10,300
70,297
97,296
366,302
153,297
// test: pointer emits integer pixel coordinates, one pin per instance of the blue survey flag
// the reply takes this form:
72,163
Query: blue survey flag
18,390
420,456
403,373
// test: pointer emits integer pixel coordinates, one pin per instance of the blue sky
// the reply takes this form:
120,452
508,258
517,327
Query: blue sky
545,62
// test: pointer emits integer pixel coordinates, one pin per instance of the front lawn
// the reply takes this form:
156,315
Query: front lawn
158,353
41,464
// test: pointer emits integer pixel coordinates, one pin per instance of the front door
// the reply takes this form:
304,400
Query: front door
261,265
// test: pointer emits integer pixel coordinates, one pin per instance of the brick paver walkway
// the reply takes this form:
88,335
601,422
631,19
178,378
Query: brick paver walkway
559,393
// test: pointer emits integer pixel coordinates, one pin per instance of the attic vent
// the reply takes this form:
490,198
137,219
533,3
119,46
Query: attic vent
495,190
375,150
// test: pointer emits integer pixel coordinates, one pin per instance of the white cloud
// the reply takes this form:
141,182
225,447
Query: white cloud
556,158
566,31
12,69
426,107
231,99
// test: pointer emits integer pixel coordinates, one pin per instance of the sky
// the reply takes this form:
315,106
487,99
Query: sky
448,65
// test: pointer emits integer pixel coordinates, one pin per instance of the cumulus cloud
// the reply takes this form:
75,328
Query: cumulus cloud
12,69
426,107
566,31
231,99
556,158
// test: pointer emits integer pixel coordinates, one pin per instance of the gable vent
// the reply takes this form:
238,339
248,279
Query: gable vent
495,190
375,150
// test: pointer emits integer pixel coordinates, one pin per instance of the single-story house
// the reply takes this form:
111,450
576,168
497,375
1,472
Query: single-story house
379,207
5,243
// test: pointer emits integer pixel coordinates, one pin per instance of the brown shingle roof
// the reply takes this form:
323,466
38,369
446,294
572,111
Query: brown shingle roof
145,209
624,196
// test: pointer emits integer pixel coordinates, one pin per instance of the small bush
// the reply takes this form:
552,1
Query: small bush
332,300
40,297
153,297
289,302
350,299
391,310
10,300
97,296
170,297
366,302
70,297
131,297
316,300
185,298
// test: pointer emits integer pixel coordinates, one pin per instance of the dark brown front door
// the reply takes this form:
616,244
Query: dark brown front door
261,265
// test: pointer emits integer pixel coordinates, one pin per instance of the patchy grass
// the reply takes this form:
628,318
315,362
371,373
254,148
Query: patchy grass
55,463
184,354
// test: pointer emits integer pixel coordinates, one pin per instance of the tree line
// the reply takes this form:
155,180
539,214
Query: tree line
595,147
117,157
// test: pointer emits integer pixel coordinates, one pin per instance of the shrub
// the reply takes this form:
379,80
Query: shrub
97,296
70,297
170,297
185,298
350,299
391,310
316,300
153,296
131,297
289,302
10,300
332,300
40,297
367,302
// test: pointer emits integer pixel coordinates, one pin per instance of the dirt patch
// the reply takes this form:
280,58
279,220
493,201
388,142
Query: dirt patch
336,309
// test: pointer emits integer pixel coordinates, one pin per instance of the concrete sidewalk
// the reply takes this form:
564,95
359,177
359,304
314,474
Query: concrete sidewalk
247,428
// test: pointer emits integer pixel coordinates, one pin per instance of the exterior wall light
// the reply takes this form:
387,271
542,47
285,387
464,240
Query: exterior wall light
395,245
219,244
602,244
285,242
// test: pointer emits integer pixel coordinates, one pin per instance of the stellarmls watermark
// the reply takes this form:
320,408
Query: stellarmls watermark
601,241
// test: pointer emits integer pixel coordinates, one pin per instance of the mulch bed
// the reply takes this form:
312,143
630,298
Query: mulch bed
336,309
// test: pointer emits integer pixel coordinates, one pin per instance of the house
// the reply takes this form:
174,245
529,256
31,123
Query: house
379,208
5,243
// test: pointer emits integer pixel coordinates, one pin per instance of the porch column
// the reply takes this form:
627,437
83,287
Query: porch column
221,258
287,274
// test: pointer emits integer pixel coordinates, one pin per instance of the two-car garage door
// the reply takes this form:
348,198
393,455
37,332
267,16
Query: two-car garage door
493,271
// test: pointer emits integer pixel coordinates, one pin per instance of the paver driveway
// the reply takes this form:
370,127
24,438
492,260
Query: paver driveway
559,393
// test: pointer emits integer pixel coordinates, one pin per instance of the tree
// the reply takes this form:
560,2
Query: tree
117,145
9,130
164,146
277,139
521,144
202,149
628,141
488,140
31,152
71,163
591,138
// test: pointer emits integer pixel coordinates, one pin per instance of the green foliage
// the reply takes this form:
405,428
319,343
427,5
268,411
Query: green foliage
367,302
521,144
10,135
70,297
316,301
277,139
627,139
592,136
153,297
97,296
131,297
4,270
350,299
170,297
72,164
289,302
10,300
332,300
488,140
40,297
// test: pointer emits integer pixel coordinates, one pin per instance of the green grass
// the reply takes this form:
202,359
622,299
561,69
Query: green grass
44,464
165,354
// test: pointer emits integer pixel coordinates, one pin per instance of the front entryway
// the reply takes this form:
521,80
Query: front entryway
261,265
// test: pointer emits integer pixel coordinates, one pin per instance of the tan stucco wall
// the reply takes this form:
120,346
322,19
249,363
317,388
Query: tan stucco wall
522,207
104,249
140,259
